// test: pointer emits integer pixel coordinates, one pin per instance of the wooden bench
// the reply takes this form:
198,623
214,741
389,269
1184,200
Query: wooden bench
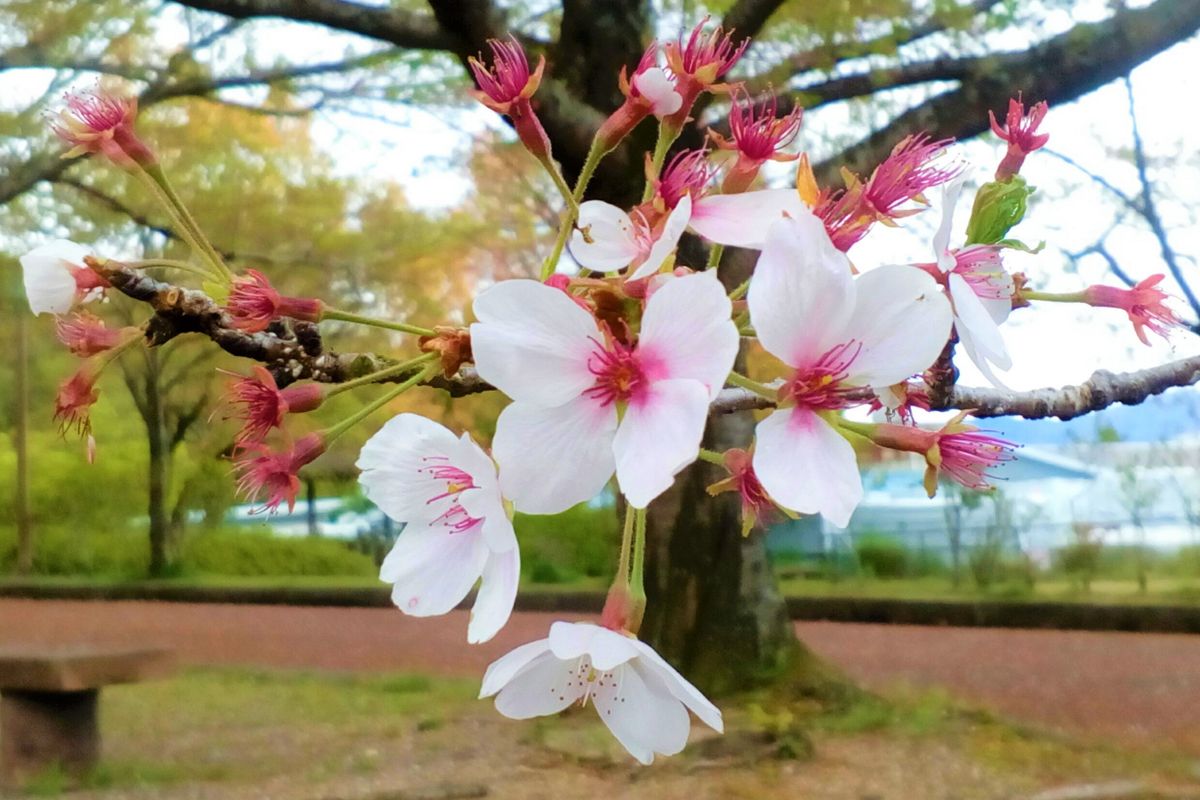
48,703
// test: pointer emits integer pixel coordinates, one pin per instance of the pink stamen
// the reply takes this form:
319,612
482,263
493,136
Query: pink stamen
619,373
821,385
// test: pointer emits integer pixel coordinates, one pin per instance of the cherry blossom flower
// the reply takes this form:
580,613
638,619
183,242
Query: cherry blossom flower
444,489
1144,304
263,404
1020,133
607,239
980,289
254,303
506,87
75,398
687,174
97,121
85,334
962,452
757,133
641,698
586,403
263,471
56,277
839,335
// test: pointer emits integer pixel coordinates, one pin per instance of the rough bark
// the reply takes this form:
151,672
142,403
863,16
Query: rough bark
21,444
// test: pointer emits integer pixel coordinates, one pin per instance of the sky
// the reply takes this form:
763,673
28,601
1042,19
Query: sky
424,149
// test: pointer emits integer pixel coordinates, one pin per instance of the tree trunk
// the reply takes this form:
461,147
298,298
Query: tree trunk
21,444
162,554
310,492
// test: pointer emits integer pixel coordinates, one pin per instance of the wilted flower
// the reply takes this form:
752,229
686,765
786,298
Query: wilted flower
1145,305
274,474
97,121
263,404
86,335
254,303
758,509
962,452
75,398
506,87
757,133
1020,132
700,62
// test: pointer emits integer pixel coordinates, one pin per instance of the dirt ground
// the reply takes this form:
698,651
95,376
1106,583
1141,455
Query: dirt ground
1141,688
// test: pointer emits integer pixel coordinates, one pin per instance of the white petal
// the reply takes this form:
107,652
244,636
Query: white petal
978,359
680,687
532,342
505,668
643,716
440,574
606,649
687,330
395,465
659,436
805,465
971,314
802,293
546,685
552,458
743,219
497,593
49,284
610,243
667,240
941,239
902,320
659,90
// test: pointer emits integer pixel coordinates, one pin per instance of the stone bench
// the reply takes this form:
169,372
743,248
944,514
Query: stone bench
48,704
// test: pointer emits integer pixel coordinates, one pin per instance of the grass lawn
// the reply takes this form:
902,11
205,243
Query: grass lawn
1173,590
235,735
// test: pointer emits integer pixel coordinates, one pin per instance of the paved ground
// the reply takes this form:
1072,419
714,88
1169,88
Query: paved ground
1139,687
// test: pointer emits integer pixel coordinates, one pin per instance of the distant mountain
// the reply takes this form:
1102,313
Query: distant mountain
1165,416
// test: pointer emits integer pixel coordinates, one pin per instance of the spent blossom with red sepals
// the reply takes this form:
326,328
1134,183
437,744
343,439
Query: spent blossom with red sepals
272,475
757,133
75,398
914,166
262,405
651,90
507,86
688,173
700,62
101,122
86,335
758,509
960,451
1020,132
254,303
1144,303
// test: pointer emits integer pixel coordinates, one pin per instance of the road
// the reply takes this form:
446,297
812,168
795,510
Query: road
1136,687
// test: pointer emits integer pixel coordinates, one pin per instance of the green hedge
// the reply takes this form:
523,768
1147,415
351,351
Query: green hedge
579,543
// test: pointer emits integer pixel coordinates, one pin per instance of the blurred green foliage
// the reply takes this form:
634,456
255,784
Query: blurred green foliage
577,544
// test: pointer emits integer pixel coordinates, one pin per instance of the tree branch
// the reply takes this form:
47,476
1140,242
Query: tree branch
400,27
1057,70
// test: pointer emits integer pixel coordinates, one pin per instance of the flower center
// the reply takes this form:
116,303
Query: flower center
619,375
821,385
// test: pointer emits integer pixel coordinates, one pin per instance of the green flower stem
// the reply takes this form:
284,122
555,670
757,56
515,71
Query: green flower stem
346,316
1054,297
667,134
167,263
626,544
714,256
637,584
383,374
172,201
594,156
712,457
740,291
753,386
561,184
370,408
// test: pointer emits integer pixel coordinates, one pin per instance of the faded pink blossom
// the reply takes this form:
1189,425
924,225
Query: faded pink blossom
757,133
254,303
1145,305
100,122
1021,134
75,398
263,405
506,87
962,452
700,62
86,335
263,472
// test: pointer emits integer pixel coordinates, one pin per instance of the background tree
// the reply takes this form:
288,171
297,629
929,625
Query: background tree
713,590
